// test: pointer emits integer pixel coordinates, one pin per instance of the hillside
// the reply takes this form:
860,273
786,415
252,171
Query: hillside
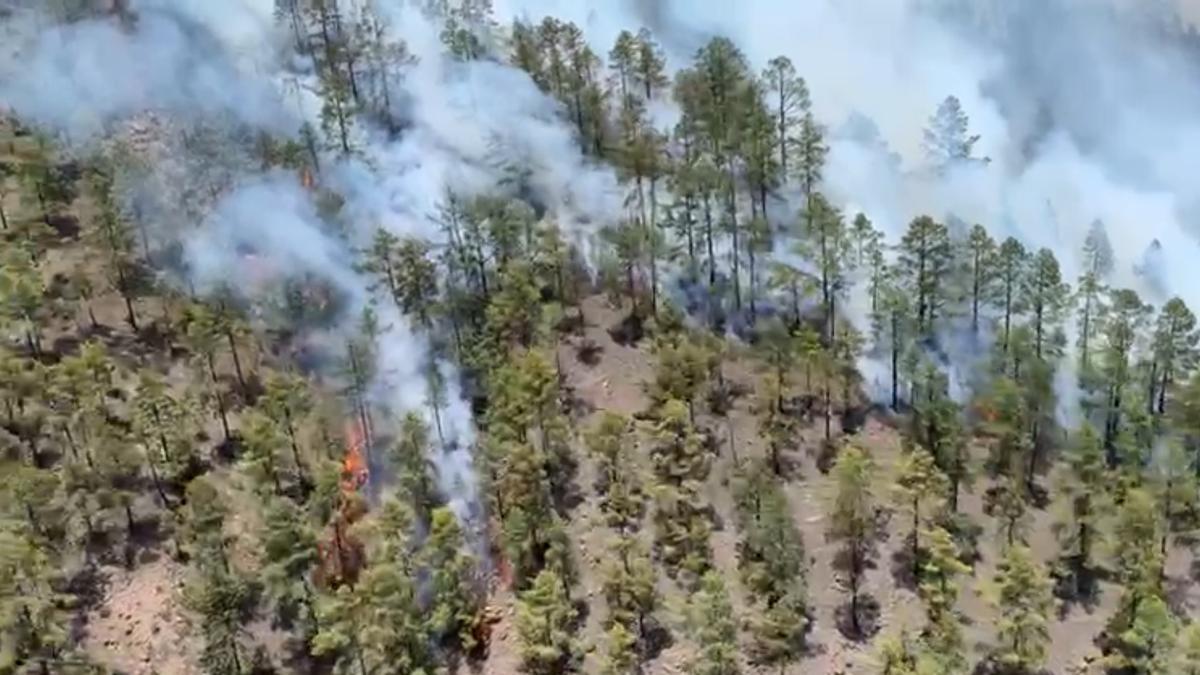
609,376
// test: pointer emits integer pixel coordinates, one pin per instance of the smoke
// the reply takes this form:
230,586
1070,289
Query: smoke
1085,109
471,127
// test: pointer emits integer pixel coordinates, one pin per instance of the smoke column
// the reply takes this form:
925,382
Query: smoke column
1086,110
227,63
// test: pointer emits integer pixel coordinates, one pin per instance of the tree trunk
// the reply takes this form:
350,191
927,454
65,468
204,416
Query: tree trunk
895,362
1084,333
220,397
129,523
157,483
733,225
1162,391
708,235
975,284
237,362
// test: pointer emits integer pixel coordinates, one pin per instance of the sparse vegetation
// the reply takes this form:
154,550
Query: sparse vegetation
625,482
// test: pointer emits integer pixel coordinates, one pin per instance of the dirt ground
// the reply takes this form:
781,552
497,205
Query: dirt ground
617,382
140,629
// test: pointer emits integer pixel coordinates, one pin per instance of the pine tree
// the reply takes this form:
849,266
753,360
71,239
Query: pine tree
22,305
771,552
788,101
981,270
827,244
1122,326
1025,603
780,630
286,400
649,64
853,521
1086,492
679,456
938,589
947,141
920,489
263,445
1098,260
1047,302
618,482
894,332
1173,351
1011,268
1145,648
925,256
545,621
1138,557
629,587
714,628
453,601
289,548
33,623
202,338
682,373
222,598
410,455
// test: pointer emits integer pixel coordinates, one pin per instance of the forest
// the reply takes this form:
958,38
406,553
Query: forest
728,426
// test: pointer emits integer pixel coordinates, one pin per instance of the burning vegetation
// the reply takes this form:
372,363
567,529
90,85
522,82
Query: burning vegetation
342,556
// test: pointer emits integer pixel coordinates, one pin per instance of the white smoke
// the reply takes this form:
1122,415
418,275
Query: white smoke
1087,110
226,60
1084,113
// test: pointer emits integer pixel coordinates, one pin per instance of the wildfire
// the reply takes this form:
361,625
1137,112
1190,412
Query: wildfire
341,553
355,471
987,412
307,180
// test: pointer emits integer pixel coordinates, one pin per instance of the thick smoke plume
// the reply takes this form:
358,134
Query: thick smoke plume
1087,111
228,65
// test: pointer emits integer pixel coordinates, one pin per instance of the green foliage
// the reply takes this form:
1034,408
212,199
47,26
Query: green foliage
33,620
714,628
621,656
947,142
771,554
545,621
853,520
1086,493
223,600
925,260
920,490
1146,646
618,479
1187,650
452,591
629,587
1025,603
410,456
289,554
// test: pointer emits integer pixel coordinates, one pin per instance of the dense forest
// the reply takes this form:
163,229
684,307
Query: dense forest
731,427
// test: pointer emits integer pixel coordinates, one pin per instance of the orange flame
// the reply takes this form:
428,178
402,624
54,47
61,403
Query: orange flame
355,471
307,180
341,554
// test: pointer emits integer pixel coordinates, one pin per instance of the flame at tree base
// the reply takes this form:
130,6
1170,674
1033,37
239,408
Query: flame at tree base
341,555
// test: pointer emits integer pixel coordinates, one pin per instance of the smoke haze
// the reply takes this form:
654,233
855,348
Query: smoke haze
1087,110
